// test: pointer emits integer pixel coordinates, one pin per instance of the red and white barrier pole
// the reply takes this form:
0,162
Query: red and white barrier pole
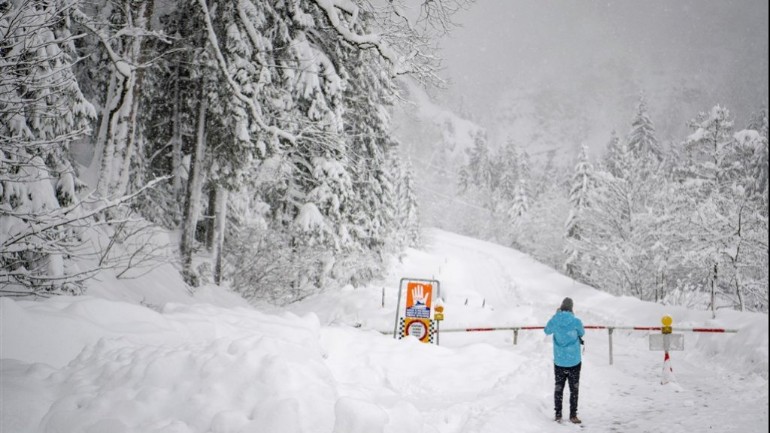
610,329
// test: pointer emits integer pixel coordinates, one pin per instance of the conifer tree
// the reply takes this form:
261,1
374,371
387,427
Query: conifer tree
481,177
723,227
706,149
367,98
41,113
408,214
581,187
282,104
642,142
479,170
520,201
757,159
616,160
520,204
507,173
626,214
169,115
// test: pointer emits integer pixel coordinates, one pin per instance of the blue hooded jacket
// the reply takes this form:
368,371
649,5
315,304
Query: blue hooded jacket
567,330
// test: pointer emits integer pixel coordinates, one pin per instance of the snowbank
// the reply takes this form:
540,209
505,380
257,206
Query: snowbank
121,363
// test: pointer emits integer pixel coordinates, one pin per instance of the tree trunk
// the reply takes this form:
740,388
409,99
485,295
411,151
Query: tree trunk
120,136
121,187
104,122
176,139
713,293
211,218
220,219
194,187
144,14
108,148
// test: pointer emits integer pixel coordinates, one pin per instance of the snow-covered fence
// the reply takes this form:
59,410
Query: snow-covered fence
609,329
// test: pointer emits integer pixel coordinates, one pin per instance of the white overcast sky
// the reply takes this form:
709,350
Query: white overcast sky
721,45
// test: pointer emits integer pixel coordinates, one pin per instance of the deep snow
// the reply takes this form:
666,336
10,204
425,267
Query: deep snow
144,356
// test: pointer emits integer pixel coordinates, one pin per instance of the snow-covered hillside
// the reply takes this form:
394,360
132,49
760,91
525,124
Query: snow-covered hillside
147,357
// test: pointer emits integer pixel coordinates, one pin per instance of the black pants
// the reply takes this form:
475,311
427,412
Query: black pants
562,375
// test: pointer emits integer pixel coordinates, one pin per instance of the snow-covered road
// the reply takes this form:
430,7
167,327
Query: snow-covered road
721,378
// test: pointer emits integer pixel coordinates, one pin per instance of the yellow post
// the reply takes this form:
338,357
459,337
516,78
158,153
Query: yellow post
439,313
667,321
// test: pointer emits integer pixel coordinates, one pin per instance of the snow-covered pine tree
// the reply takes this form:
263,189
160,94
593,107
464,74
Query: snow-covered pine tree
706,148
758,166
624,222
547,177
615,159
479,177
41,113
408,215
271,94
581,187
541,228
525,173
286,65
642,142
479,167
750,265
627,213
743,216
723,225
391,228
319,158
521,201
372,207
504,167
397,43
170,94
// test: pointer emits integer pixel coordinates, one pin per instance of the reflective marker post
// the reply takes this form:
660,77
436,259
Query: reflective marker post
609,332
667,341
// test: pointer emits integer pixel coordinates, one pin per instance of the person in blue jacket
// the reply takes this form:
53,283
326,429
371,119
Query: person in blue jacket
568,334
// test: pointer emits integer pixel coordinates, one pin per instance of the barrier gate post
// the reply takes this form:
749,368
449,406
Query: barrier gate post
666,330
609,332
667,341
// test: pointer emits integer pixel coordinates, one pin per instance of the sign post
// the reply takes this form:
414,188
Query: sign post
418,318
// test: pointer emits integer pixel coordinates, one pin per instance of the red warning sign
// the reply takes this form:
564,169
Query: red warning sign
418,328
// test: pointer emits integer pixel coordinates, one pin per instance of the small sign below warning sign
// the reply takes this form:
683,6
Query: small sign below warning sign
666,342
421,329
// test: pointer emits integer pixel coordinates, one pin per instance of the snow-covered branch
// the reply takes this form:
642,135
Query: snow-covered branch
397,39
121,65
222,64
331,8
65,215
